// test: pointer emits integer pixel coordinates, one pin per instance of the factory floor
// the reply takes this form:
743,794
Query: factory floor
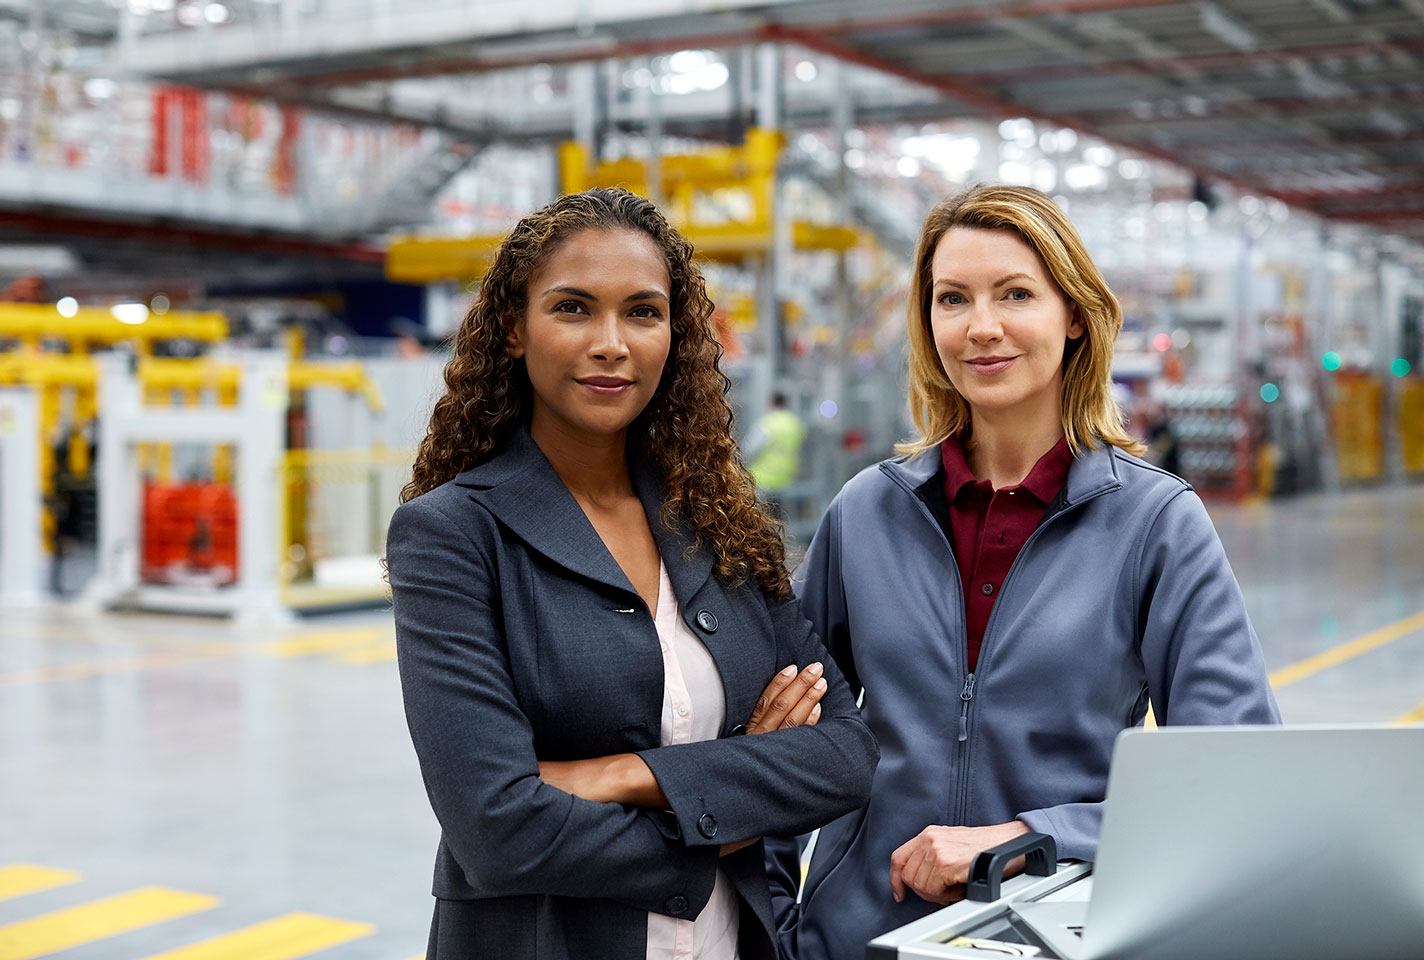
193,789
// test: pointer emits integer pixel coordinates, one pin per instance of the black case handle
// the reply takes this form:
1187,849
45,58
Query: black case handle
987,870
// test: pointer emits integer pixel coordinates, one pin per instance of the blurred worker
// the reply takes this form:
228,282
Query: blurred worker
1010,593
590,604
774,450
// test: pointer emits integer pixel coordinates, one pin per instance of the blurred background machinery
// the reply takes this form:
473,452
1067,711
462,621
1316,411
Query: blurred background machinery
1246,173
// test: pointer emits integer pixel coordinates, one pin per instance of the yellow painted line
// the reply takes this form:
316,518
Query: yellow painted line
97,668
97,920
285,938
18,879
327,642
1346,651
386,651
1413,716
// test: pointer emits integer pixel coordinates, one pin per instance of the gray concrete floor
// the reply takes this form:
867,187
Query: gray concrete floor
271,770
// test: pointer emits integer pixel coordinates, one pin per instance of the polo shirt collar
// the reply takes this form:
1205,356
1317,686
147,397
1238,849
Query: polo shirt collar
1047,477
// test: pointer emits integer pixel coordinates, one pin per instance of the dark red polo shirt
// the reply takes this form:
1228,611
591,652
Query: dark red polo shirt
991,526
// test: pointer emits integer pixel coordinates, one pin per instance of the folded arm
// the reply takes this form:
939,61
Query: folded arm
510,832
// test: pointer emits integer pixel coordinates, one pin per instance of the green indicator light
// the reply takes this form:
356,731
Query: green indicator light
1400,367
1331,360
1270,392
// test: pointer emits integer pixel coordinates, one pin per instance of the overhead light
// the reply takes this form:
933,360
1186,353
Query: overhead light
216,13
99,88
1227,29
130,313
1083,176
1388,120
67,306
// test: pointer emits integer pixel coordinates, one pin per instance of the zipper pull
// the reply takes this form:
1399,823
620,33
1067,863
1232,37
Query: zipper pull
965,696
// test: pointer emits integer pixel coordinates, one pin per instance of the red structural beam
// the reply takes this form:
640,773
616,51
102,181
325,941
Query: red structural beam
1384,191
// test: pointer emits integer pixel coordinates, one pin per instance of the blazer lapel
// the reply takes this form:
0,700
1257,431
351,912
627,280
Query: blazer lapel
519,486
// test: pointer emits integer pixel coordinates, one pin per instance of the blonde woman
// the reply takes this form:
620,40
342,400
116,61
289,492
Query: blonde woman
1009,593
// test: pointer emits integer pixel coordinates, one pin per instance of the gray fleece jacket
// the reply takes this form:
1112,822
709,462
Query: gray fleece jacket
1122,596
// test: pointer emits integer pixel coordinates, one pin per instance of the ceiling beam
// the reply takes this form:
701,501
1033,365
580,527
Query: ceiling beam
1194,62
982,13
174,234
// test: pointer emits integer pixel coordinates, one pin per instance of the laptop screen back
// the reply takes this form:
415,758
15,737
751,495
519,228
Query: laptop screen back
1290,842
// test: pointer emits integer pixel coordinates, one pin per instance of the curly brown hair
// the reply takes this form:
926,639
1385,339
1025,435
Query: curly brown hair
686,429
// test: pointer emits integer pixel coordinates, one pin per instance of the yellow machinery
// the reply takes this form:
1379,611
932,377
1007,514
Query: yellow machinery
738,178
54,375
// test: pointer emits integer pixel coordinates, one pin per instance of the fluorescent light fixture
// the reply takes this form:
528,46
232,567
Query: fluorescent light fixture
130,313
1227,29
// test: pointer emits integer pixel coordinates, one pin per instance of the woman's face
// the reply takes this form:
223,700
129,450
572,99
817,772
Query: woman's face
596,333
1000,323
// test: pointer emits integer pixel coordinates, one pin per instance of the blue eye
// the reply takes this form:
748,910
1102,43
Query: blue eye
951,299
1019,295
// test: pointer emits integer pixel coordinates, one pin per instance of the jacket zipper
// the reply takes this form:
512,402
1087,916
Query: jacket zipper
965,696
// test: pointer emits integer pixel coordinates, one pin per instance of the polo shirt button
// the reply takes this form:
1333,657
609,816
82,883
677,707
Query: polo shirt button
707,621
707,825
676,906
987,589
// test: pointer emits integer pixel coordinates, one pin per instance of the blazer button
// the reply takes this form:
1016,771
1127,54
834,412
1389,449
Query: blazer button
707,621
676,906
707,825
737,731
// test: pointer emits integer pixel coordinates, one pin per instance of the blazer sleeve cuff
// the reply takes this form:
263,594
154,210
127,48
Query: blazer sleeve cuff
695,821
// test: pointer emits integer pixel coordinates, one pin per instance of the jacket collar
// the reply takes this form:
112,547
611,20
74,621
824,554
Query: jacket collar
1093,472
519,486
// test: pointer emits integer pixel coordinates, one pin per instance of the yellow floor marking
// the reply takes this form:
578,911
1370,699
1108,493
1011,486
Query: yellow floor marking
1413,716
327,642
97,668
386,651
1346,651
285,938
97,920
18,879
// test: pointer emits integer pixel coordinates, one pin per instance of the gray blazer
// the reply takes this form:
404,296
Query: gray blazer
520,639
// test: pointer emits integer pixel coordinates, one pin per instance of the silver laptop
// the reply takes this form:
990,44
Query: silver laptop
1297,843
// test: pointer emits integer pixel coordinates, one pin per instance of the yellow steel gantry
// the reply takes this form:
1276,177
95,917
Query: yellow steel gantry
744,174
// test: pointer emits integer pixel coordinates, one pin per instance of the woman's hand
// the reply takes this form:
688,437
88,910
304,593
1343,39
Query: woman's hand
935,865
789,700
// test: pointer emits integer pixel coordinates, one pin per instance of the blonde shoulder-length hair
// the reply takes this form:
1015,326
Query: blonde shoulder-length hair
1089,411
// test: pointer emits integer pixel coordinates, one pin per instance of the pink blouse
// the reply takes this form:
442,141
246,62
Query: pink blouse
693,709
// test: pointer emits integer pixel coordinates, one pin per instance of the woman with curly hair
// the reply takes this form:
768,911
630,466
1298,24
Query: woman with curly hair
591,606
